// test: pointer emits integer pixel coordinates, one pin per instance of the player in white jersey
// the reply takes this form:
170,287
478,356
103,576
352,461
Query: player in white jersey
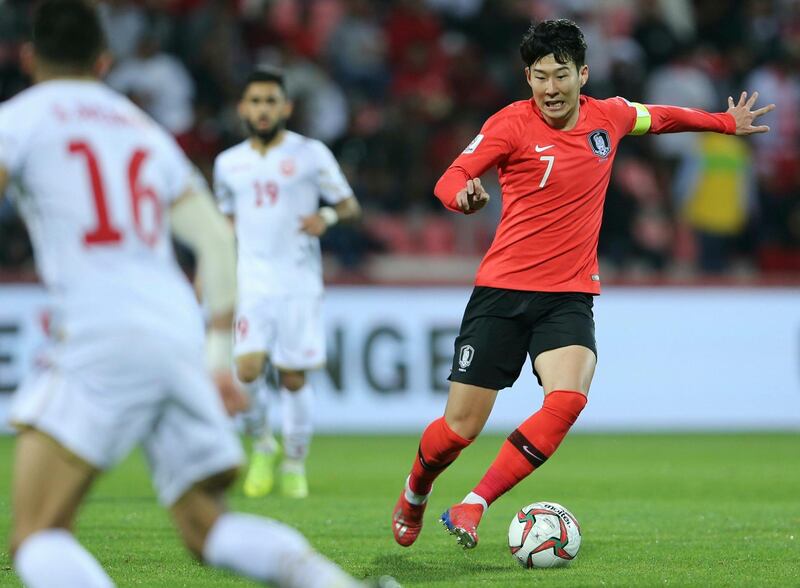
270,186
100,188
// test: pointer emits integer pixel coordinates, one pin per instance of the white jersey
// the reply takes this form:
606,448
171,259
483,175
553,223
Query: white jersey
95,178
268,195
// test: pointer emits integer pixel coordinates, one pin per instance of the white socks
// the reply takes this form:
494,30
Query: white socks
256,419
53,558
251,546
296,413
473,498
296,410
268,551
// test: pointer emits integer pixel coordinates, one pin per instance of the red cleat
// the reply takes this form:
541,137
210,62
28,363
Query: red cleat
462,521
407,520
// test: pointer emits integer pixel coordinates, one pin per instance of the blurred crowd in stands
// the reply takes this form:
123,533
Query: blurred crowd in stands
398,88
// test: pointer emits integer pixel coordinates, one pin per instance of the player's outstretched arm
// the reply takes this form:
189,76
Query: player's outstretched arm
737,120
744,115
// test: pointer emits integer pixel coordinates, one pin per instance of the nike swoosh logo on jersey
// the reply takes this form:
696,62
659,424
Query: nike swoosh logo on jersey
533,455
540,149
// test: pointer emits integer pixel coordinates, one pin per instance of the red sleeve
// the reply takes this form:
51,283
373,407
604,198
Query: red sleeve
621,114
491,146
677,119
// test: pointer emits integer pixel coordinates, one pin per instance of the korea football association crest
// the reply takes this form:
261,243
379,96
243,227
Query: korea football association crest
600,143
465,355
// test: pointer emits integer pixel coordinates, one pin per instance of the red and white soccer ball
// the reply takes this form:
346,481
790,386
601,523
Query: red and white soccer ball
544,535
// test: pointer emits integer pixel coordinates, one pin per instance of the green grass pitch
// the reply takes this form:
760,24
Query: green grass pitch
656,510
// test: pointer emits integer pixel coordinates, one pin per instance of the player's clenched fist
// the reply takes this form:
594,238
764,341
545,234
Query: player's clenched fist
473,197
313,225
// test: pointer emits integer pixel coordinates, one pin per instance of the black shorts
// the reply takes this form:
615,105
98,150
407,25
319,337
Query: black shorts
501,326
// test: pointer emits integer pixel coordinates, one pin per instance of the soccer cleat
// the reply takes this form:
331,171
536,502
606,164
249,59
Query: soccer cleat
261,474
294,484
407,520
462,521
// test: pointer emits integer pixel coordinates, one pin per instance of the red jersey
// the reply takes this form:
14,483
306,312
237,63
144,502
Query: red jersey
554,184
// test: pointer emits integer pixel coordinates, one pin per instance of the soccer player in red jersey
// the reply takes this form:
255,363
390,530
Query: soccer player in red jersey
534,288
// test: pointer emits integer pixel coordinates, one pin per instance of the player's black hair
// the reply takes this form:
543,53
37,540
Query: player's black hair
67,33
266,74
562,37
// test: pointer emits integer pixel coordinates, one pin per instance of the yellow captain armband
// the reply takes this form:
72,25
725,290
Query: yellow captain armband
643,120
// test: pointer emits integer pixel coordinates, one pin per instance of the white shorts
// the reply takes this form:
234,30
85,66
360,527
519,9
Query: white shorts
288,328
101,398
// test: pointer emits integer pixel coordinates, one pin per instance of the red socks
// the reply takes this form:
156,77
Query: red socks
529,446
438,448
